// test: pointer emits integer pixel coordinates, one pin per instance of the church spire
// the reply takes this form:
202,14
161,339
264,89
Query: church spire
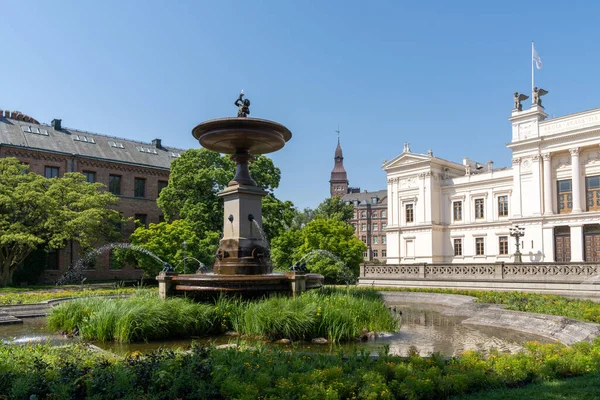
338,184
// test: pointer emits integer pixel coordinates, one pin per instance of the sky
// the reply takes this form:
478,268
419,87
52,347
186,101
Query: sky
437,74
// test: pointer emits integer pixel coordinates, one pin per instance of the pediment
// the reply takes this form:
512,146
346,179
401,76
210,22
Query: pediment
405,159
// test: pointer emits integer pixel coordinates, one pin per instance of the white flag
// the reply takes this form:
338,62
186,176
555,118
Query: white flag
537,58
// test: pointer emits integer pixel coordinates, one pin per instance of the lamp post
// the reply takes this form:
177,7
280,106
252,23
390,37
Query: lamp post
184,245
517,232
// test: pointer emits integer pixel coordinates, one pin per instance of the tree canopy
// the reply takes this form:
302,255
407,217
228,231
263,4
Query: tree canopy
327,235
336,208
36,211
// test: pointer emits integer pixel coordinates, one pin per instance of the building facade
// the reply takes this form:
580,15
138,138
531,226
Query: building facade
445,212
370,210
134,171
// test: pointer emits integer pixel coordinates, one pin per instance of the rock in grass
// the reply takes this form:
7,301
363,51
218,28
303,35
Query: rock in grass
227,346
231,333
319,340
283,341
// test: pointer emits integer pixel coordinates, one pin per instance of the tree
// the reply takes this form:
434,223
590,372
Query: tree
336,208
196,179
36,212
278,216
165,241
313,243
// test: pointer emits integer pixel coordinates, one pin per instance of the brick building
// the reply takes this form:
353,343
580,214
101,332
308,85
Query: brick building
370,210
134,171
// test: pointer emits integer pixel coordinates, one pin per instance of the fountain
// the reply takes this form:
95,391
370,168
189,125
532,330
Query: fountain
243,265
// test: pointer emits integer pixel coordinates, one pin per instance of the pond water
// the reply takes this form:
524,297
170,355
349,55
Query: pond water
426,330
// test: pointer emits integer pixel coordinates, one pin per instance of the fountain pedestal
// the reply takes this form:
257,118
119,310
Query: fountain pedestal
242,250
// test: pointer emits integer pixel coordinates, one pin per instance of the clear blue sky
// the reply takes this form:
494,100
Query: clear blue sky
439,75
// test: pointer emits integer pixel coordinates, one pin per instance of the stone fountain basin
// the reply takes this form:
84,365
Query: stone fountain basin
255,135
251,285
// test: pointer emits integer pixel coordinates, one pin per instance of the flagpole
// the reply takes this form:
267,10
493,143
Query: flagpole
532,86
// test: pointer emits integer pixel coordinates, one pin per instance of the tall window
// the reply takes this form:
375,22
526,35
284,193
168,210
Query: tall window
479,212
363,214
479,247
142,219
139,187
384,253
565,196
592,185
503,245
503,206
375,215
458,247
384,214
375,254
457,209
90,176
51,172
114,184
161,186
363,227
410,215
384,239
363,238
375,239
383,226
375,227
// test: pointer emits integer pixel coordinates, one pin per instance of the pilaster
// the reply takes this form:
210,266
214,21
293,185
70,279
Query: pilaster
576,179
547,157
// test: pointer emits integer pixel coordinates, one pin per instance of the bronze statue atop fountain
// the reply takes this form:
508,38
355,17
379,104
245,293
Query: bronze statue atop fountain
243,106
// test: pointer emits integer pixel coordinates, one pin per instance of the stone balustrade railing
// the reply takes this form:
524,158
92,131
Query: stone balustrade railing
527,272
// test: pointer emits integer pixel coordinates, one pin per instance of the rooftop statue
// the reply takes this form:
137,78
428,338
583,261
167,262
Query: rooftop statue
537,95
518,99
243,106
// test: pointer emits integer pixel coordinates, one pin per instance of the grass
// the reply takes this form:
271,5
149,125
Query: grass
581,388
11,296
584,310
206,373
335,314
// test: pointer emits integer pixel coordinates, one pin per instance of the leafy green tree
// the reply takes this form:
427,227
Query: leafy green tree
39,212
196,179
336,208
278,216
302,218
165,240
327,235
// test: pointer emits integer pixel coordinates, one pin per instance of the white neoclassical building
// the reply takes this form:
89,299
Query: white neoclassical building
445,212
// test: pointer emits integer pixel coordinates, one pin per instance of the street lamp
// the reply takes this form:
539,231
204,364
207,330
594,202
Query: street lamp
517,232
184,245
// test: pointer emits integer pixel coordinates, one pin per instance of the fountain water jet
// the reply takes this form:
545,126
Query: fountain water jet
243,263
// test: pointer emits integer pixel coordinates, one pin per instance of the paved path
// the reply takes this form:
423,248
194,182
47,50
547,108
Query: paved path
565,330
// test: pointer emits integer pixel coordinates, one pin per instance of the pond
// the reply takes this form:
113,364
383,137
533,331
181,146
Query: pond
426,330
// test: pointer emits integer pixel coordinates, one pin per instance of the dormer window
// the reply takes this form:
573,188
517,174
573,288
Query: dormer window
374,200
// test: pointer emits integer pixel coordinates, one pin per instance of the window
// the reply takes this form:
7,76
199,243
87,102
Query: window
142,219
592,187
51,172
479,208
363,214
90,176
410,217
375,239
375,254
457,209
354,226
479,247
375,227
384,239
363,238
458,247
375,215
384,214
384,253
363,227
383,226
565,196
364,254
503,206
503,245
373,200
161,218
139,187
114,184
161,186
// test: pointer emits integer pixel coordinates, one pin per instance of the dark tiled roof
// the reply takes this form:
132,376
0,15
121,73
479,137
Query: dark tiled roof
365,197
85,144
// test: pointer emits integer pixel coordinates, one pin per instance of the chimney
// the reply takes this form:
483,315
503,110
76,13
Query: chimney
157,143
6,114
56,124
490,165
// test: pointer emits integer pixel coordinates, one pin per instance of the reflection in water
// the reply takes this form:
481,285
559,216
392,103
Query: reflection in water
428,331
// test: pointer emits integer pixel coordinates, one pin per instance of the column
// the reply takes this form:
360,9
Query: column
536,185
516,199
576,179
576,242
547,184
